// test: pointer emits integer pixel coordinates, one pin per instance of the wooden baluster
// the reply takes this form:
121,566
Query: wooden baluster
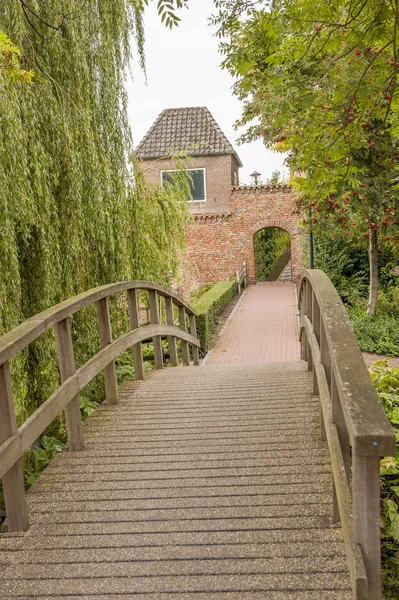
309,300
238,281
104,329
316,328
326,363
366,517
171,339
183,327
13,480
339,420
134,318
154,310
302,313
66,361
193,331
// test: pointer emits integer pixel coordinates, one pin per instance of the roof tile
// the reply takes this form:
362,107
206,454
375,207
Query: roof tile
191,130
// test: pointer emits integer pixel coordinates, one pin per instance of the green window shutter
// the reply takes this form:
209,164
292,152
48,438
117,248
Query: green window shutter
198,185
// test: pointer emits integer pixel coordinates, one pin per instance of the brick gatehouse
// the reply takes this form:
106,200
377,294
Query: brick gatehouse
226,215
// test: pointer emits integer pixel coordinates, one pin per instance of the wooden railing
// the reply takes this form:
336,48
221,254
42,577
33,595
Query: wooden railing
354,423
15,441
241,275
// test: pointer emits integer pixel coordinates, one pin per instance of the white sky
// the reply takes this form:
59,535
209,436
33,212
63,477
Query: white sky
183,69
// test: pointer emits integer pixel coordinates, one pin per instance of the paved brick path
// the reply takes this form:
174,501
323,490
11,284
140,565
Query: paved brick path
262,329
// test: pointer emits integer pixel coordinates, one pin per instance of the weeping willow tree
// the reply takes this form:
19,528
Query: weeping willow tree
74,212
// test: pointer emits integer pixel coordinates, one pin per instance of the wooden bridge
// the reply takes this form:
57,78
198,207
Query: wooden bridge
219,482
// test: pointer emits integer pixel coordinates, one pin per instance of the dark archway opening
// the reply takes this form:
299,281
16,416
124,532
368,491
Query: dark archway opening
272,250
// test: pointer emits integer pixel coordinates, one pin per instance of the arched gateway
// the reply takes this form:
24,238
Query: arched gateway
219,242
226,215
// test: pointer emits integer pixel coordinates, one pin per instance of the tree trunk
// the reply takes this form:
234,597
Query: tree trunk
373,262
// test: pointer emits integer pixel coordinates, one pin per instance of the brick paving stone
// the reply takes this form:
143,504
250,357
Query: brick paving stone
262,329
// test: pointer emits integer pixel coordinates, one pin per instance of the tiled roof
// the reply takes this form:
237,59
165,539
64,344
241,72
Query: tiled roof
190,130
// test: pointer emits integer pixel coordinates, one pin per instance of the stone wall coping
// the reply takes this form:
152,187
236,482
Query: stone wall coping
212,215
249,189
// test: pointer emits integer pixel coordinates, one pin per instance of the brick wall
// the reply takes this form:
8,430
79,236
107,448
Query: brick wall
219,243
219,177
221,236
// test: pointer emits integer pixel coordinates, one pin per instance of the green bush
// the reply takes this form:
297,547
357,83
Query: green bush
209,306
386,381
380,333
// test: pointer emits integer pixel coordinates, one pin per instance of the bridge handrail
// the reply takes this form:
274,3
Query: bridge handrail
21,336
354,423
15,441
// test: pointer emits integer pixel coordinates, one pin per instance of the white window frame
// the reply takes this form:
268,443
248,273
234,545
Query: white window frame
199,169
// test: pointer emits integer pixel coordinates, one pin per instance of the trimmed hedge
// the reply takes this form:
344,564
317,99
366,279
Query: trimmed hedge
209,306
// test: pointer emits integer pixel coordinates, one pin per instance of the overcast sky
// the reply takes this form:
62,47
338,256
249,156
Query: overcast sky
183,69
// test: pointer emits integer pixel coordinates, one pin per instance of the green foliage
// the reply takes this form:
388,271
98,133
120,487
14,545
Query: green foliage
11,61
75,211
167,11
43,453
380,333
345,264
386,381
269,244
209,306
320,81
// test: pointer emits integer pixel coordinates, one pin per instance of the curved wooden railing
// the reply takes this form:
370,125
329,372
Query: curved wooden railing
15,441
354,423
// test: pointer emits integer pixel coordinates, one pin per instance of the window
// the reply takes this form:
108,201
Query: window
197,185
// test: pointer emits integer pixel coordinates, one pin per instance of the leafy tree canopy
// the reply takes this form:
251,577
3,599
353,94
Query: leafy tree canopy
320,81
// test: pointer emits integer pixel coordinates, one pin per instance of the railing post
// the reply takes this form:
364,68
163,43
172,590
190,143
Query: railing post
238,281
245,273
104,329
135,324
66,361
183,327
13,480
309,300
339,420
193,331
154,311
366,517
315,318
171,339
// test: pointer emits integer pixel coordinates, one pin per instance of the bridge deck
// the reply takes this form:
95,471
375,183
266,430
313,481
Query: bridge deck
204,483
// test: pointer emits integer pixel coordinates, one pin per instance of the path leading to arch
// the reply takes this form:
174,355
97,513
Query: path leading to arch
262,329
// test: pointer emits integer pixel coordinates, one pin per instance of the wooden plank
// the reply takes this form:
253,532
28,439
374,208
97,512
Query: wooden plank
66,361
193,331
171,340
18,338
13,478
339,421
157,342
132,300
104,329
19,442
183,327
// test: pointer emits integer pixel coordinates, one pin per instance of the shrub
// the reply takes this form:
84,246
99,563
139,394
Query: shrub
386,381
380,333
209,306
